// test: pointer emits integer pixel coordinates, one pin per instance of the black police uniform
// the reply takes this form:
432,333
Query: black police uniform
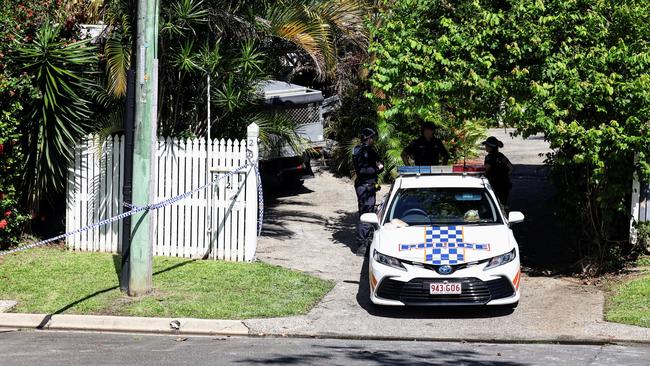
365,164
426,153
498,175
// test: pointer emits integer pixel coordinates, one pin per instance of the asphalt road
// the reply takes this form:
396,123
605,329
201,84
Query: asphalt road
71,349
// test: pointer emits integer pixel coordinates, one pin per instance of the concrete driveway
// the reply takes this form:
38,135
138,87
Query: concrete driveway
312,231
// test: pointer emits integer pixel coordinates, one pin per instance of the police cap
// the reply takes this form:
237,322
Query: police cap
367,133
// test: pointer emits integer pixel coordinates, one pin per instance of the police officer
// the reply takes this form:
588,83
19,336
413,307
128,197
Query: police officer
426,150
367,166
498,169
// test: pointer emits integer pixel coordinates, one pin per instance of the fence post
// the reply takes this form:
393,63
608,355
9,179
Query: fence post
636,193
636,200
252,152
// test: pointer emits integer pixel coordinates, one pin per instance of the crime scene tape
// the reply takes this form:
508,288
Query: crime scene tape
135,209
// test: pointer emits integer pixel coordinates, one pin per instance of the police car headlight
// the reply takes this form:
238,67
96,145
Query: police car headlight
387,260
501,260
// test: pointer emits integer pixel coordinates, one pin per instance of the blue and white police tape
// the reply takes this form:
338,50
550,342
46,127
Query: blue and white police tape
135,209
260,203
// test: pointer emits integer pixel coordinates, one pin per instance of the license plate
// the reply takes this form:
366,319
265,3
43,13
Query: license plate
448,288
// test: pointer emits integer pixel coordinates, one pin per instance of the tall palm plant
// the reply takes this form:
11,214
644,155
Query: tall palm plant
240,43
315,27
59,118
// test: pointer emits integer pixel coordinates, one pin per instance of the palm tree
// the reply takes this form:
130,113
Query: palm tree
240,43
62,73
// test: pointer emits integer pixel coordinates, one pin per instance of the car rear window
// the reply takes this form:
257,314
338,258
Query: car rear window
444,206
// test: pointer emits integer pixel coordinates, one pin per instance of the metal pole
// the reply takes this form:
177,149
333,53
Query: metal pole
127,189
207,169
145,140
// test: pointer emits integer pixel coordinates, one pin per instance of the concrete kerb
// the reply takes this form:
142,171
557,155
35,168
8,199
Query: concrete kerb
208,327
563,340
184,326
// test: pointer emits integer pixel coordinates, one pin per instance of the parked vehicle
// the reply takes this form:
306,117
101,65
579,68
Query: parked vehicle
442,238
290,165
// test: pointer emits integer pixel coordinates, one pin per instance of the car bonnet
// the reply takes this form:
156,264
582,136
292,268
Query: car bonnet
454,244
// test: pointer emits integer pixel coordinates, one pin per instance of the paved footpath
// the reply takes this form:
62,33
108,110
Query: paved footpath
77,349
312,231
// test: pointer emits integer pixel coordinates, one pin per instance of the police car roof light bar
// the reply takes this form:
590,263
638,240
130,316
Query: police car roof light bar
440,170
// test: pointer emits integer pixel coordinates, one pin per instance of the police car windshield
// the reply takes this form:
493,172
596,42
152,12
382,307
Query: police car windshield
429,206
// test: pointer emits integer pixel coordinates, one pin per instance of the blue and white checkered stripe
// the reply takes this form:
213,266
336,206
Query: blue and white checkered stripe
444,234
440,256
155,206
444,245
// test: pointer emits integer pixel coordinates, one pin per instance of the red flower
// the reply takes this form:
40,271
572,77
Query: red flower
3,224
7,213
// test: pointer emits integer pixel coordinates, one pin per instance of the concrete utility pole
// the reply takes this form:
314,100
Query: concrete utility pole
145,141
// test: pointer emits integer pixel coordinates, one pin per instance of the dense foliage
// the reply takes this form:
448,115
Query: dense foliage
49,78
17,24
573,70
434,62
240,44
12,218
582,80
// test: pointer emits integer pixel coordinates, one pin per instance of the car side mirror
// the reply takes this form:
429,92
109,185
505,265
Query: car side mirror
515,217
370,218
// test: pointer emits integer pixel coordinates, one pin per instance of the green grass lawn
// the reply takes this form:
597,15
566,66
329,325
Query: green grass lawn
628,302
56,281
643,261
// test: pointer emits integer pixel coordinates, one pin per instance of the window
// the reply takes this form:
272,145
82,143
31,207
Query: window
444,206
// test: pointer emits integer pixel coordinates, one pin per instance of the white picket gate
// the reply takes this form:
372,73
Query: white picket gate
186,228
640,211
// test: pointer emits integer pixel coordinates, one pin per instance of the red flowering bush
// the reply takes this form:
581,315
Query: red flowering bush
18,22
12,223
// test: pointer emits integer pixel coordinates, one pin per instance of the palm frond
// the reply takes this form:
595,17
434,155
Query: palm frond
118,61
182,17
186,59
296,24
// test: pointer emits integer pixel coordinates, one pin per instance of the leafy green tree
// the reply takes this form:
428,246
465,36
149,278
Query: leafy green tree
573,70
578,72
435,60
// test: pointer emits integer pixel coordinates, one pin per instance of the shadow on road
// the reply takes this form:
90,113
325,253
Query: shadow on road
343,229
277,221
544,245
358,354
282,207
273,192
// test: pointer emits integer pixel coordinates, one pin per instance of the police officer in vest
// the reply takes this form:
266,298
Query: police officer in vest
426,150
367,167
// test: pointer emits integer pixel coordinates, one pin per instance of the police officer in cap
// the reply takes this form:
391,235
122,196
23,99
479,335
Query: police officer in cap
498,169
426,150
367,166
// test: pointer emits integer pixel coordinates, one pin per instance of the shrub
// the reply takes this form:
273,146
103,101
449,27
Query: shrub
573,70
12,219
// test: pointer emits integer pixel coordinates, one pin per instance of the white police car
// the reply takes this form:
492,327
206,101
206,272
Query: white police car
441,238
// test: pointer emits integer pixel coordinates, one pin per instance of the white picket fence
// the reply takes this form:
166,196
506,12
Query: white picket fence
640,206
185,228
